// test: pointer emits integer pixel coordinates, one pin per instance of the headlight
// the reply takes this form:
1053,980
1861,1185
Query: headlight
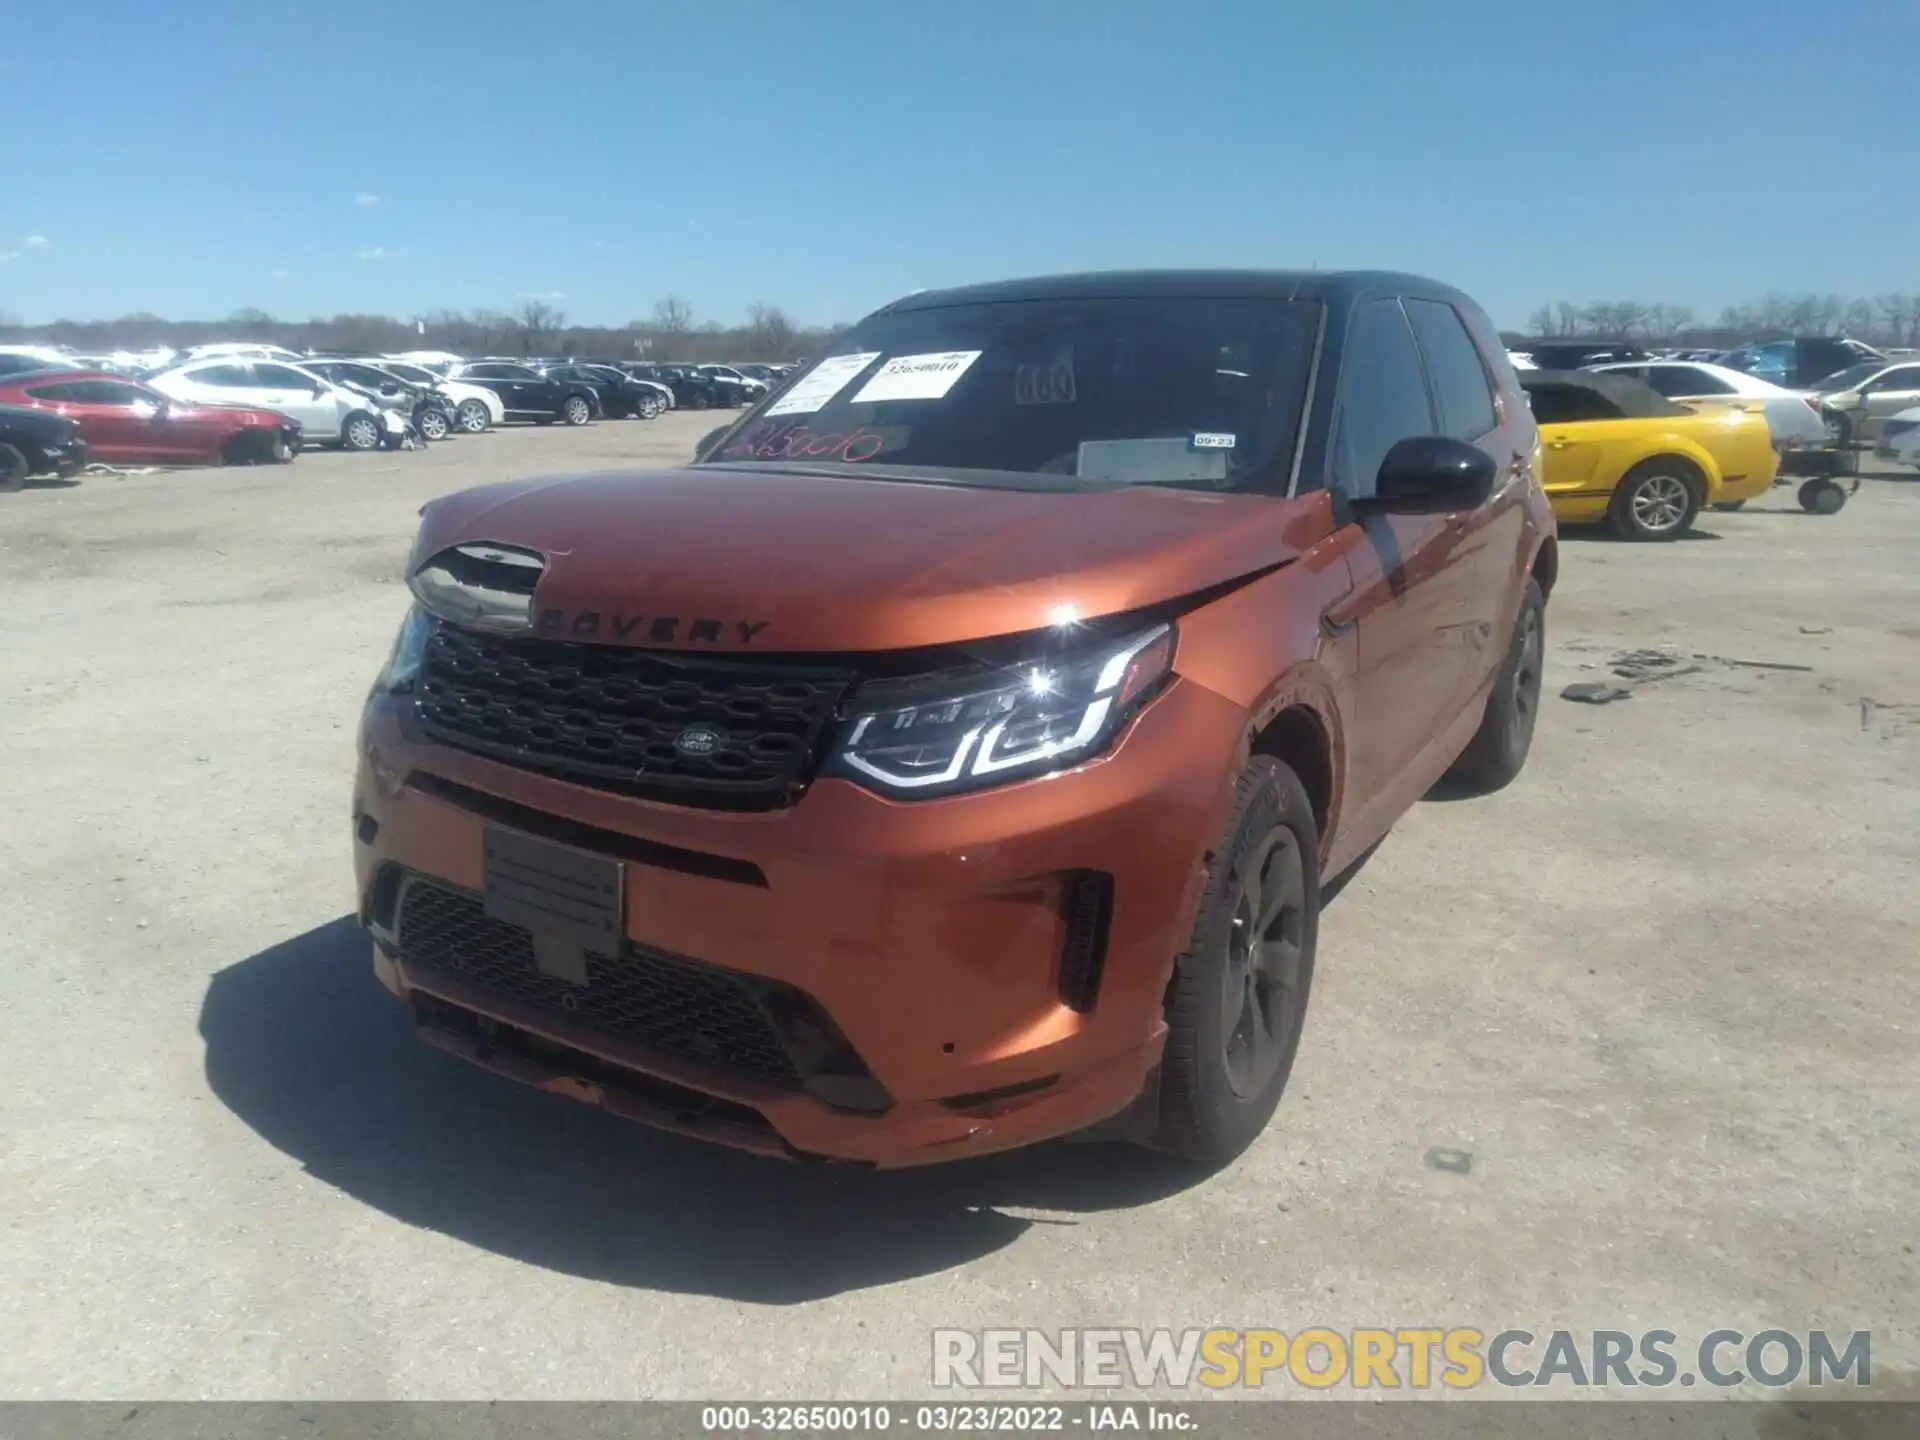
409,650
933,738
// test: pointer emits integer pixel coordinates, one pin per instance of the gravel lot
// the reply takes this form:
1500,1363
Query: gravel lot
1655,989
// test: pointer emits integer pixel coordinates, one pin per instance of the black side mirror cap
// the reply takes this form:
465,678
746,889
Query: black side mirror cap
1428,475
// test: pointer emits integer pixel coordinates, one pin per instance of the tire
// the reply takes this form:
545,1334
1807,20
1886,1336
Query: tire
360,431
575,410
433,423
472,417
1822,497
13,469
1656,500
1839,428
1728,504
649,408
1228,1056
1497,753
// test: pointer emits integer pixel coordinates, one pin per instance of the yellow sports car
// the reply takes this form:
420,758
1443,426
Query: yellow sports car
1614,450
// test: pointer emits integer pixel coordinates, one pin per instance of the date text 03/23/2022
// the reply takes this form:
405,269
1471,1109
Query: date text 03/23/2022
942,1418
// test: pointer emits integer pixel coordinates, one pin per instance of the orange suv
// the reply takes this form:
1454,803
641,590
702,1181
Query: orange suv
952,756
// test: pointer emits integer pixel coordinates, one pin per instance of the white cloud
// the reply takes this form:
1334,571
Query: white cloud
366,199
546,295
379,252
36,242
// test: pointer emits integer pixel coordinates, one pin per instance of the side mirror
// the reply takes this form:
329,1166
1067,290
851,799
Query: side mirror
319,392
1430,475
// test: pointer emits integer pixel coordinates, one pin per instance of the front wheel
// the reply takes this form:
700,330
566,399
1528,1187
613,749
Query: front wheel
576,411
1238,1002
433,423
650,408
1822,497
1656,500
361,432
472,417
13,469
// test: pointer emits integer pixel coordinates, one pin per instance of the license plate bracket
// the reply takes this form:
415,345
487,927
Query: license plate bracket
570,901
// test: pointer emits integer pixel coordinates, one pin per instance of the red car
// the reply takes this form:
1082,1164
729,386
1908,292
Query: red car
124,421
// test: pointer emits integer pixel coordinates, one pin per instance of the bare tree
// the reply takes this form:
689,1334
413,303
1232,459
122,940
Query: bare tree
536,319
1679,318
1858,318
771,331
1569,319
1540,322
672,316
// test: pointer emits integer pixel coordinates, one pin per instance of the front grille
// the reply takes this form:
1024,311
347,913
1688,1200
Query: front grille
677,1007
608,717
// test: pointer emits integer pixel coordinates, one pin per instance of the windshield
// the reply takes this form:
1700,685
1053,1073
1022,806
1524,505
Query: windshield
1851,376
1100,391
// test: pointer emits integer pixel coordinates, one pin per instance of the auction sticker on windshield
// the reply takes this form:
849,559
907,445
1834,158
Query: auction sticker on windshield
822,383
916,377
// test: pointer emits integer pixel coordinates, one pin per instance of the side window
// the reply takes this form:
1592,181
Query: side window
279,377
1569,404
1459,375
229,377
58,394
1905,377
485,372
1672,380
1383,395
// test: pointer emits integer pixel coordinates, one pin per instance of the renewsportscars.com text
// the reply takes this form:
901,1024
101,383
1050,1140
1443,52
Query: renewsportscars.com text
1395,1358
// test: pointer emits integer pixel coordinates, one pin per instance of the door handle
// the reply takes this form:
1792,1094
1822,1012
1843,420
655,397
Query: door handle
1559,444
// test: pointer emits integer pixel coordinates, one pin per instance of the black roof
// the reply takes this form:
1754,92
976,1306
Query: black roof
1330,286
1635,398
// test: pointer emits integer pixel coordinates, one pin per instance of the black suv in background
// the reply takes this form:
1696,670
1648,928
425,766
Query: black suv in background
527,394
692,389
621,395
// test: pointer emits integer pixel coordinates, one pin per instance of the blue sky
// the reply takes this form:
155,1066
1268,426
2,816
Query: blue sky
195,156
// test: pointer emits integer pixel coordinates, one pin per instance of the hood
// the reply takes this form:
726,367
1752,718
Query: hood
22,421
776,560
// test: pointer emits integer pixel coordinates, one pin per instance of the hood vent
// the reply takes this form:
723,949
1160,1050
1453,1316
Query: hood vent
480,585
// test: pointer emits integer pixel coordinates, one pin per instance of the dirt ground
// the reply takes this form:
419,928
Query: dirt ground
1662,991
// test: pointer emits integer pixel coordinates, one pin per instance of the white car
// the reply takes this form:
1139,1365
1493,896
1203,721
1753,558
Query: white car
1793,416
250,349
328,414
439,361
20,359
475,406
1521,360
1900,438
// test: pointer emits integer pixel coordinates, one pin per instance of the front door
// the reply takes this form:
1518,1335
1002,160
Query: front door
1896,390
286,390
1410,605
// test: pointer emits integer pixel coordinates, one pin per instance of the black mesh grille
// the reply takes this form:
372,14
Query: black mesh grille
678,1007
607,716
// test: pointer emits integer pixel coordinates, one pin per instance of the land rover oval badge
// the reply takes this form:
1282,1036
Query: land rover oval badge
697,740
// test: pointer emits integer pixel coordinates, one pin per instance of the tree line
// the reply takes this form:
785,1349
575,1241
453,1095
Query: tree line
533,327
1892,319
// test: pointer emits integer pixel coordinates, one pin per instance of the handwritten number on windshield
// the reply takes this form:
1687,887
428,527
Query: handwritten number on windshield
794,441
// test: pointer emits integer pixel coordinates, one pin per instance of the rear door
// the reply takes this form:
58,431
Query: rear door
511,383
1409,604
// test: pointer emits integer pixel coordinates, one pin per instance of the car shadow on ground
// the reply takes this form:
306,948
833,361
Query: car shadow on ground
1603,535
305,1047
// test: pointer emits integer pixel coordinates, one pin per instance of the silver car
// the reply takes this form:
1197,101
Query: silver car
1861,398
